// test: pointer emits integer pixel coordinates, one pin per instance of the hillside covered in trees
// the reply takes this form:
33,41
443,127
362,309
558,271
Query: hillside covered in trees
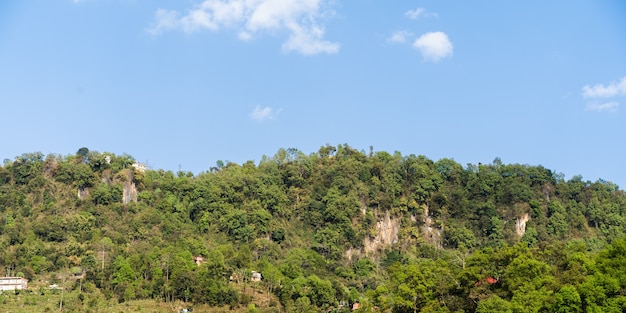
337,230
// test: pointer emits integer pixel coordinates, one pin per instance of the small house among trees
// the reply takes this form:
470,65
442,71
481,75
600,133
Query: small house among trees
140,167
13,283
199,260
256,276
486,280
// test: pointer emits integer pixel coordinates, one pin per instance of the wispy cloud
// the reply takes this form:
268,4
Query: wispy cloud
602,91
301,19
245,36
165,20
399,36
263,113
419,12
611,106
599,91
434,46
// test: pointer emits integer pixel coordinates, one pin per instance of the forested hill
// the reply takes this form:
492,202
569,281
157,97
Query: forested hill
335,230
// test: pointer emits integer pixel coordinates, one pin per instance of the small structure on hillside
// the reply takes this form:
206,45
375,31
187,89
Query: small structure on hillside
13,283
487,280
199,260
55,287
140,167
256,276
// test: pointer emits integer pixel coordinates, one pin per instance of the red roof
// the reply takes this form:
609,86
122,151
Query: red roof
489,280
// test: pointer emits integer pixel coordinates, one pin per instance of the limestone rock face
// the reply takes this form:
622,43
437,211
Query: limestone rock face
520,224
387,230
129,192
83,193
432,234
129,189
124,177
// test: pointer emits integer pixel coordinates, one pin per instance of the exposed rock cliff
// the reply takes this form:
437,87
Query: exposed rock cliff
83,193
432,234
129,193
520,224
387,230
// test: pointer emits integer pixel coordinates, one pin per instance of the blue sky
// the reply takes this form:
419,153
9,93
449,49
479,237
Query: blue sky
182,84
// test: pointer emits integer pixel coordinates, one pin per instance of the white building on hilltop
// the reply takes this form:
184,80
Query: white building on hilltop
140,167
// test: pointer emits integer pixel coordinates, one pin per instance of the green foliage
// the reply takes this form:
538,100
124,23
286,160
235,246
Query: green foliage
567,300
327,230
494,304
524,269
26,167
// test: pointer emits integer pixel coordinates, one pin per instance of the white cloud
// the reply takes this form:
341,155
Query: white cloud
245,36
434,46
399,36
611,106
601,91
263,113
166,20
309,41
419,12
299,18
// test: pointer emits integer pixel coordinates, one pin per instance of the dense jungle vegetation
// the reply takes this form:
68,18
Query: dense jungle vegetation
338,230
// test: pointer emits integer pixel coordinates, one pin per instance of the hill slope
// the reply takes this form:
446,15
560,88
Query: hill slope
326,230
